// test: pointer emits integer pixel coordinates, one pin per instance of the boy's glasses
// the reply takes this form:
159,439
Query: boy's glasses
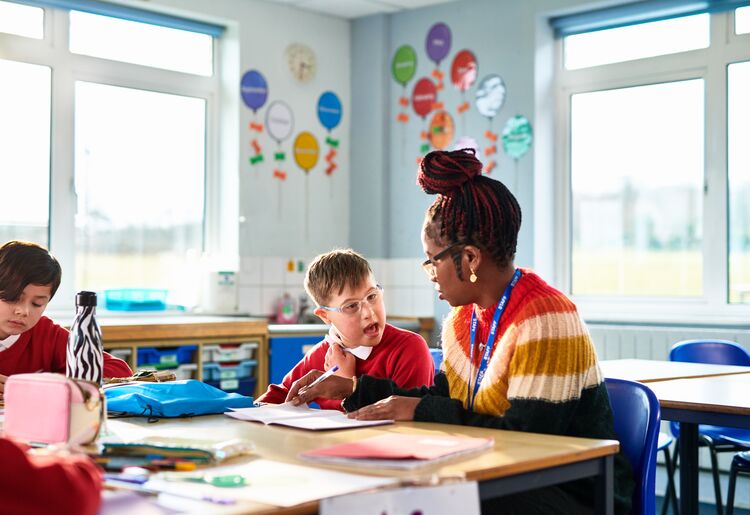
430,264
354,306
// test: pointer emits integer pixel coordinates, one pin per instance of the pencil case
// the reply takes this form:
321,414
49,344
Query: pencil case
53,409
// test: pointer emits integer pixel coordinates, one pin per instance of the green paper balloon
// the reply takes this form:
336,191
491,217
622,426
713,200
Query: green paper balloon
517,137
404,64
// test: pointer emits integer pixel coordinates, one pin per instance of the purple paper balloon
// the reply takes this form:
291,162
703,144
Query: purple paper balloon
254,89
438,42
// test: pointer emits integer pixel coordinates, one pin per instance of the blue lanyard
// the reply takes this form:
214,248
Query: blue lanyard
490,340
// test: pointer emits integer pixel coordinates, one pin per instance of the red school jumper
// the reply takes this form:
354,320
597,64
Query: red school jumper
401,355
43,348
40,485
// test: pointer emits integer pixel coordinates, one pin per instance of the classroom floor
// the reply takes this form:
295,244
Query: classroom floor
706,492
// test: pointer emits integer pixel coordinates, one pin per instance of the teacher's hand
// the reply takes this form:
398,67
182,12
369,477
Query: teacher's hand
333,387
394,407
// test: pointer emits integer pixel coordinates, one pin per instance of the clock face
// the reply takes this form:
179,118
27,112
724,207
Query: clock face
301,61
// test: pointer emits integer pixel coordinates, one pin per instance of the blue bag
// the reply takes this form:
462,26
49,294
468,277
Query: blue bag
173,399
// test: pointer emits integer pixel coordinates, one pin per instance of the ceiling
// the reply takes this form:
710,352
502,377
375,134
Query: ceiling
356,8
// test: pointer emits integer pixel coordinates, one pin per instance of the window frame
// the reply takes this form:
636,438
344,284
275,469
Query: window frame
709,64
219,209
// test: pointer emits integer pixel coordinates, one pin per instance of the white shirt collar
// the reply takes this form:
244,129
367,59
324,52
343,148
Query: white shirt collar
10,340
362,352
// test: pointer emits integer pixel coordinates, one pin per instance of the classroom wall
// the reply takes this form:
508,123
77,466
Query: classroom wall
307,213
509,38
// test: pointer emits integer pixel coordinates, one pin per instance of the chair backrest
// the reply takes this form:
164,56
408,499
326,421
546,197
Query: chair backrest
437,357
637,419
718,352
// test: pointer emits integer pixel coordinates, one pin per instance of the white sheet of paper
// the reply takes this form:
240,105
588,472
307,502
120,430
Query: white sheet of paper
279,484
460,498
302,417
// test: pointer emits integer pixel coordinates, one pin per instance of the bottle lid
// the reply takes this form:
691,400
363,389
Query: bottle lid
86,298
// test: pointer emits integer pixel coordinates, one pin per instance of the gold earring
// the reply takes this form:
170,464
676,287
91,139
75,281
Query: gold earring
473,277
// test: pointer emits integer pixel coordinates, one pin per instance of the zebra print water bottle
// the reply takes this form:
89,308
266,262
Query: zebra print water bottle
84,355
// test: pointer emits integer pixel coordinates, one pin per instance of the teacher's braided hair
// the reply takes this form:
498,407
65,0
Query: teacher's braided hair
469,207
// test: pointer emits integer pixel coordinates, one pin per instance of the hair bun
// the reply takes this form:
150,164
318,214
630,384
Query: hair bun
446,171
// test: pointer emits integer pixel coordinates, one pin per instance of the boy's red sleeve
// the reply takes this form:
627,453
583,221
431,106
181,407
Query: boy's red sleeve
115,367
47,484
313,360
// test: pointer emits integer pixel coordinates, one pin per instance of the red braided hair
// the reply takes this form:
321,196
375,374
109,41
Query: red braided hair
470,207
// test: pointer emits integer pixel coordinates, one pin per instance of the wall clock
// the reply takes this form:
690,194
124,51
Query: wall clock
301,61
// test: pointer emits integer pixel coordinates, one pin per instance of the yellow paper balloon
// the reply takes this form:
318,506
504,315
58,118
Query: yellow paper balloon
306,151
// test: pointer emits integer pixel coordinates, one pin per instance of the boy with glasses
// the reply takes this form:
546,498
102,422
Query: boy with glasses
350,301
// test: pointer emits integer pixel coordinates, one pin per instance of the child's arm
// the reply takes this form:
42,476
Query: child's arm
115,367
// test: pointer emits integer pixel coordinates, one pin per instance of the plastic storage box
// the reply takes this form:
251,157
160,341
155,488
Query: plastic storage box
241,386
220,372
135,299
186,371
165,357
229,352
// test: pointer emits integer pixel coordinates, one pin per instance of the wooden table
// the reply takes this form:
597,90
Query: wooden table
647,371
517,462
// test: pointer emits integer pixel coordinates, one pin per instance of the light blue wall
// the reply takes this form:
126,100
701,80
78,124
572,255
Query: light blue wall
503,36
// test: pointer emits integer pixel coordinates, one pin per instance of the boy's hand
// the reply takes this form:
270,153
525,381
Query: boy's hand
333,387
394,407
345,360
2,385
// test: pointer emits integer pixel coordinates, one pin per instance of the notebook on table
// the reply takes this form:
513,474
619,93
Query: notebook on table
399,451
301,417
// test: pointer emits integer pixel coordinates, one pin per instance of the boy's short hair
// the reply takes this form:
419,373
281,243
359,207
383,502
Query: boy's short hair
23,263
330,273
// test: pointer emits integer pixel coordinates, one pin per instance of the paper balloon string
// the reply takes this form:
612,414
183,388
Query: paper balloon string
306,152
490,97
254,92
329,114
424,100
279,124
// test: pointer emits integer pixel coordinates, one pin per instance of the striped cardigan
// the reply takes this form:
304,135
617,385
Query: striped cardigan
542,377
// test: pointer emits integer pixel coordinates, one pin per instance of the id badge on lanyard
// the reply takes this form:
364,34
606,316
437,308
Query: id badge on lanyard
472,393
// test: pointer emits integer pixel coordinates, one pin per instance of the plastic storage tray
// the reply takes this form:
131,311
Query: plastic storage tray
123,354
218,372
165,357
241,386
186,371
229,352
135,299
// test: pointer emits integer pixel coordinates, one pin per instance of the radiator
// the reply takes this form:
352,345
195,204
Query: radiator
653,342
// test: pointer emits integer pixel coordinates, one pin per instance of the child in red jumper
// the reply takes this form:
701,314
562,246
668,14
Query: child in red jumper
342,285
53,483
30,342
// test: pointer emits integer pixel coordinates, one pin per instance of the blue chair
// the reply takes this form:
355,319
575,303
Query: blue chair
716,438
670,496
437,357
637,418
740,465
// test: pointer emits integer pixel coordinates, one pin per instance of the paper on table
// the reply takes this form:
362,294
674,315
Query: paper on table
278,484
399,451
302,417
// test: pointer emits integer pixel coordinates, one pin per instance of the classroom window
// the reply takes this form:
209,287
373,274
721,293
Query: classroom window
738,125
131,193
24,151
742,20
636,41
141,43
654,181
21,20
140,214
636,175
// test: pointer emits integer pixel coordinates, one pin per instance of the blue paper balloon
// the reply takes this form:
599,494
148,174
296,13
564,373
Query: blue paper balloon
254,89
329,110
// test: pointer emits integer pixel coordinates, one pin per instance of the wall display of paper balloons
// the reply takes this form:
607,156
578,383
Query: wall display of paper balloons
279,120
464,70
306,151
329,110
